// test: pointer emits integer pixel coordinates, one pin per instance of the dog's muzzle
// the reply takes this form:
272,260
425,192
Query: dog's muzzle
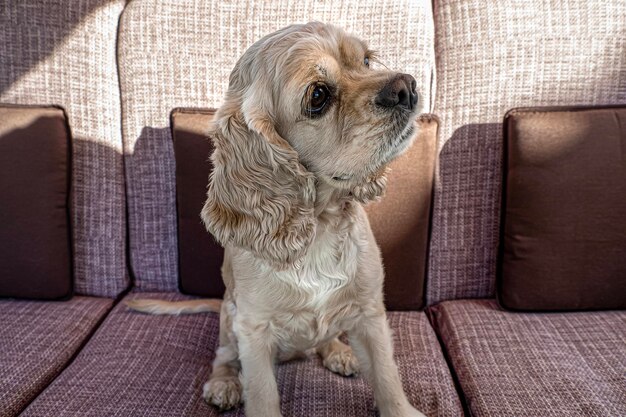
399,91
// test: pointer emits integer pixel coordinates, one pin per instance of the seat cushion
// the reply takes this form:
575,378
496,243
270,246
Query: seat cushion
535,364
143,365
35,236
564,213
180,54
38,339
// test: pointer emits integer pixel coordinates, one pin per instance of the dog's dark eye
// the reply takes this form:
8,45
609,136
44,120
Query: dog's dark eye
366,61
319,98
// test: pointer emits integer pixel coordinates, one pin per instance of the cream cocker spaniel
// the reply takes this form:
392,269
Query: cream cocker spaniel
302,140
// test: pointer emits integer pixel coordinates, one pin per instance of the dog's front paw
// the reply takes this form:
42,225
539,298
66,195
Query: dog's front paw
342,362
224,393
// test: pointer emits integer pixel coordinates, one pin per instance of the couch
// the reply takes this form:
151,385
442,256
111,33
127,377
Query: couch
118,69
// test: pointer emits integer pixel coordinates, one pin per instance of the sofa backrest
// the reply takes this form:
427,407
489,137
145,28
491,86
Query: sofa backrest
180,54
490,57
63,53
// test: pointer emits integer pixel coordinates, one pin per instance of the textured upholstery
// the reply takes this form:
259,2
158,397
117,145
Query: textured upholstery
492,56
180,54
143,365
38,340
62,53
549,365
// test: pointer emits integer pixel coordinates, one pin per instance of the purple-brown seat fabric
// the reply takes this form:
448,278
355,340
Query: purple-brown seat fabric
37,340
535,364
144,365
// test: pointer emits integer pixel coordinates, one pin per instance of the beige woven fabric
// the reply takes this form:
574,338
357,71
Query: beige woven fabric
492,56
174,53
549,365
143,365
63,52
38,339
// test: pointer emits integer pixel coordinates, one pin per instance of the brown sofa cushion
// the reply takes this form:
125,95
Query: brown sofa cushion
400,221
199,255
35,169
564,214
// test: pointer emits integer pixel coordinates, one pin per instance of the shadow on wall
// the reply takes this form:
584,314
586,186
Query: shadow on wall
470,175
150,184
19,32
192,263
98,218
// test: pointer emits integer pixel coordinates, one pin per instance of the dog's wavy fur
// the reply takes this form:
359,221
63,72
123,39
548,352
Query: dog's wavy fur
301,265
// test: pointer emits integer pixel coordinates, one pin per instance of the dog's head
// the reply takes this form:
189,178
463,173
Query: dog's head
303,106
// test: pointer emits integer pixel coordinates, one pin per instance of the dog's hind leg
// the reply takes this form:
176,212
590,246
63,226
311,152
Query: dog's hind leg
338,357
223,389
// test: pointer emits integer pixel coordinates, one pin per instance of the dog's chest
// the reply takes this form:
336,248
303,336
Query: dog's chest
313,323
320,300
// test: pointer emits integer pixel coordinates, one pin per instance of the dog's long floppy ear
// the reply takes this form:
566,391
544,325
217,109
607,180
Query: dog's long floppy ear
260,197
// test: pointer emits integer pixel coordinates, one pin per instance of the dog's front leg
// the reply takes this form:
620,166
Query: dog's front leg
257,367
371,341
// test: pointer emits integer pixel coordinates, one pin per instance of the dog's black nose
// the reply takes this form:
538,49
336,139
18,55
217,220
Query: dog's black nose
399,91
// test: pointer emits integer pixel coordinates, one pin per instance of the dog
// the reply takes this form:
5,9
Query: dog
302,141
